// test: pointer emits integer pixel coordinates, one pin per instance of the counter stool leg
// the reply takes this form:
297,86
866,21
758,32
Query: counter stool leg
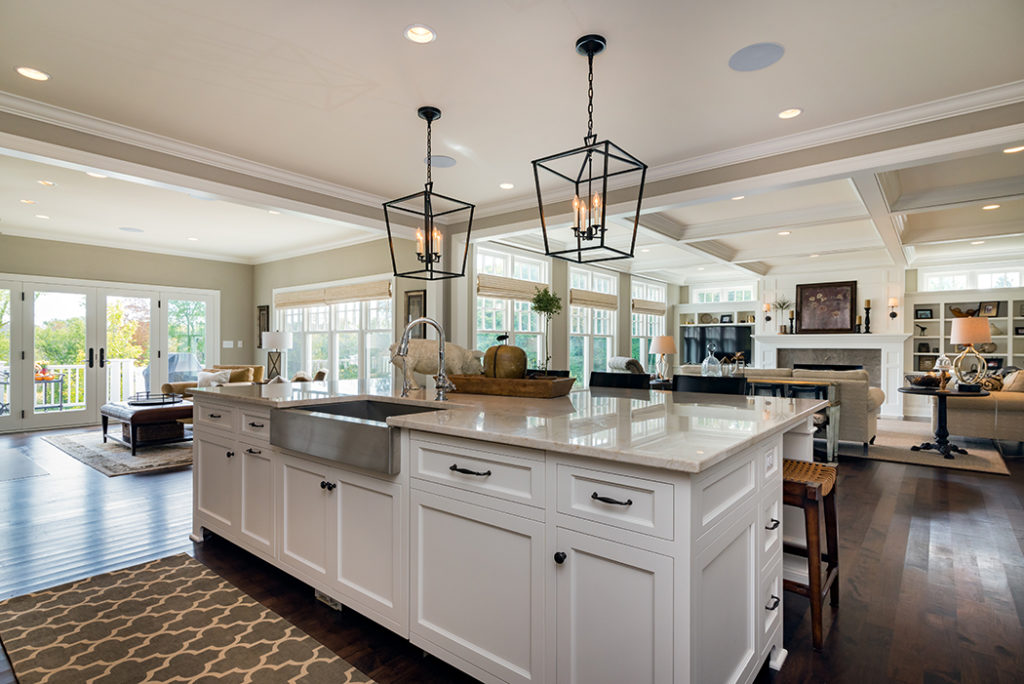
831,539
105,420
811,515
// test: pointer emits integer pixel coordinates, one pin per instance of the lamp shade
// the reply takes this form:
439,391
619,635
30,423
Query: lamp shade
894,301
970,331
663,344
277,340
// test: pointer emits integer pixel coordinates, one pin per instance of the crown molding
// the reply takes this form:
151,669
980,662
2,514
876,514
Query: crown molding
84,123
110,244
291,254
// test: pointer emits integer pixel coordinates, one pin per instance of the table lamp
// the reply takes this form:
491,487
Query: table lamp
662,345
970,366
274,342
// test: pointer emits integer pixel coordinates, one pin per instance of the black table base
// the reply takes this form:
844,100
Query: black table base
947,449
941,443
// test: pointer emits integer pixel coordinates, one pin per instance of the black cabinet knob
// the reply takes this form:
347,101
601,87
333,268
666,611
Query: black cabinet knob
323,485
560,557
229,454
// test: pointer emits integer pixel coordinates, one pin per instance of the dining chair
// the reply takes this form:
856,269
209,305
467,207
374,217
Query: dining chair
621,380
709,384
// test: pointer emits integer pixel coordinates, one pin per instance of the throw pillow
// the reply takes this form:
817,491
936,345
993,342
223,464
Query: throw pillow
240,374
992,383
1014,382
214,379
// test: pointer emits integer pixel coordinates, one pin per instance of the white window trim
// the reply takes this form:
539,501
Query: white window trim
512,254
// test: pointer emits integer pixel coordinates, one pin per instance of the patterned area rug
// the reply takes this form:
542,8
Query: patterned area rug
116,459
169,620
896,437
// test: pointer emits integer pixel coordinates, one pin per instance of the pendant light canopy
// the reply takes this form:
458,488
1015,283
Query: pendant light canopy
427,206
583,174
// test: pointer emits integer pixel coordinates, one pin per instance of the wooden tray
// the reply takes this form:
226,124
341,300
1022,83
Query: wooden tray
537,388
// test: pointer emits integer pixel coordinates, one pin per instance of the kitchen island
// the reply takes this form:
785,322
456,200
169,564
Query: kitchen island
607,536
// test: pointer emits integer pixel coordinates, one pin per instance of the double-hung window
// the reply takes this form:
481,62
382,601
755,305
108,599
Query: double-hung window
593,301
344,330
506,282
648,310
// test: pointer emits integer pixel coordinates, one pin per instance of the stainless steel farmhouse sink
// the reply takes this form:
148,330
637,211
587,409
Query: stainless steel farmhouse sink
351,432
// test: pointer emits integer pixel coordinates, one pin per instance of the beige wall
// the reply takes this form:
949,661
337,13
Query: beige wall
30,257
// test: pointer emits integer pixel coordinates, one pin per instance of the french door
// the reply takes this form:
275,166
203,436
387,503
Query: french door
65,350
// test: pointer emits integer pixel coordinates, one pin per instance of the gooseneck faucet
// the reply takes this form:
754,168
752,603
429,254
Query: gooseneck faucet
444,385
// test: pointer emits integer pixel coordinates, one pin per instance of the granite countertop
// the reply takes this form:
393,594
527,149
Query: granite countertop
681,431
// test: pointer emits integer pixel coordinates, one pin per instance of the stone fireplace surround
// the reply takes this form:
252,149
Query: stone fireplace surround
870,359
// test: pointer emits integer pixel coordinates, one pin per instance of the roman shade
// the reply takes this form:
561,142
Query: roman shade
356,292
597,300
295,300
646,306
506,288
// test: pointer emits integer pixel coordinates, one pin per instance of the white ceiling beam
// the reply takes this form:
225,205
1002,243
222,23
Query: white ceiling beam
888,226
799,218
789,249
932,236
667,230
933,199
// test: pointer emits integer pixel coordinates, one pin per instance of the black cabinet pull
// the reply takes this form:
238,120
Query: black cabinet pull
253,451
607,500
774,524
329,486
256,425
214,415
229,454
773,603
467,471
560,557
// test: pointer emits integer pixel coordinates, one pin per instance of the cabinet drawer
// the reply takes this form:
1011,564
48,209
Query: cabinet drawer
256,424
717,492
770,598
507,477
211,415
770,524
631,503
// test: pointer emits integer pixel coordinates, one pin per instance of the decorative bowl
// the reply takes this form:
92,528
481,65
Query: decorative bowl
929,380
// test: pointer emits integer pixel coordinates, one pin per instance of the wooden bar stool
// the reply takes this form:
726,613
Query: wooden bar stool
765,389
812,487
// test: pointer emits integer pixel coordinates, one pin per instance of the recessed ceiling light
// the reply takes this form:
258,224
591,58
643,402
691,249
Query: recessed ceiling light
790,113
27,201
42,216
47,183
34,74
129,229
418,33
506,186
977,242
645,250
700,268
194,239
275,212
1014,150
441,161
784,232
990,207
94,174
815,256
737,197
756,56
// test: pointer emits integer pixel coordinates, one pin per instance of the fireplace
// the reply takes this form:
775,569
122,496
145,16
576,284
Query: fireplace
868,359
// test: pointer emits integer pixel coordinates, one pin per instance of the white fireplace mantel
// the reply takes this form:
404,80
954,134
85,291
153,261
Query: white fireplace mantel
890,346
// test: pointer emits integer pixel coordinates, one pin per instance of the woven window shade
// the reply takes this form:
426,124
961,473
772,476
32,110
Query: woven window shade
597,300
294,300
646,306
506,288
358,292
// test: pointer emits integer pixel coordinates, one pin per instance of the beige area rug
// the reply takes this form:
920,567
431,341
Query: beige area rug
169,620
116,459
895,438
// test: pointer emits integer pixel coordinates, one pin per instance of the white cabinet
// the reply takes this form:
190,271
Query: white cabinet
614,607
256,495
306,502
216,481
477,587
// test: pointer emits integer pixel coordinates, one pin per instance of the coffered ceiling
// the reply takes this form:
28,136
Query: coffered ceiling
320,98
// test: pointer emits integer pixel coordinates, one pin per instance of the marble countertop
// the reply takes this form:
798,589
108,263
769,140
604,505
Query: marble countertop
681,431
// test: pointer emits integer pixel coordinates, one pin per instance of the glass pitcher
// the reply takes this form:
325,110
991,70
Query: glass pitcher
711,366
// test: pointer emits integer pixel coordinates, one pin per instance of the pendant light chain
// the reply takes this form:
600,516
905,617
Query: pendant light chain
590,99
429,159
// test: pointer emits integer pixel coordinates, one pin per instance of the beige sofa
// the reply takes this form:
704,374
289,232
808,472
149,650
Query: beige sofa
859,402
240,374
1000,415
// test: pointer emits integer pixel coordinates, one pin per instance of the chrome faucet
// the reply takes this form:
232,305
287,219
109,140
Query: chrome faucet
444,385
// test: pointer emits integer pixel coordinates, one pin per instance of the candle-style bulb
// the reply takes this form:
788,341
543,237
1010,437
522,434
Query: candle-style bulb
419,242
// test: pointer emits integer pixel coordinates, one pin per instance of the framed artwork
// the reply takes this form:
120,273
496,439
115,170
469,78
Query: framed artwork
726,318
416,306
994,364
262,323
988,309
922,313
826,307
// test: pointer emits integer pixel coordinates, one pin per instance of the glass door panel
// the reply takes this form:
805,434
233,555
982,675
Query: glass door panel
127,349
8,376
186,339
60,346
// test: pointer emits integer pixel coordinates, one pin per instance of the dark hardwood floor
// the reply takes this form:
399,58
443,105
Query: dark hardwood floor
931,568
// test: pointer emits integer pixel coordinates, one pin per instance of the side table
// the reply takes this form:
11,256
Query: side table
941,443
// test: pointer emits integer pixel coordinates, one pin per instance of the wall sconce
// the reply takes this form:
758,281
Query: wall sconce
767,312
893,303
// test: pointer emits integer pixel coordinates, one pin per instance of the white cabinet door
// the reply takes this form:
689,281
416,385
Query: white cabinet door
304,512
725,600
256,508
478,587
216,482
614,608
369,567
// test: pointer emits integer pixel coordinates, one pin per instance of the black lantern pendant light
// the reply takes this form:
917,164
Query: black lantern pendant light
587,169
428,206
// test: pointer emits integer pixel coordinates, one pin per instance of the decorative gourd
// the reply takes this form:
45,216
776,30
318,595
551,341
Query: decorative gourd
505,361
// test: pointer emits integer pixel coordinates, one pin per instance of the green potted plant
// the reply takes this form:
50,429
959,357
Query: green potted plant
547,304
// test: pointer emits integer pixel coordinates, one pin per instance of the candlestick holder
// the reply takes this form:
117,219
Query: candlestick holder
792,329
858,327
867,319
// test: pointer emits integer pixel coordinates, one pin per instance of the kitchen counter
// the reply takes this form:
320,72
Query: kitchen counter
679,431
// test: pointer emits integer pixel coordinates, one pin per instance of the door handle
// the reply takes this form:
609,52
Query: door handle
103,357
92,355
